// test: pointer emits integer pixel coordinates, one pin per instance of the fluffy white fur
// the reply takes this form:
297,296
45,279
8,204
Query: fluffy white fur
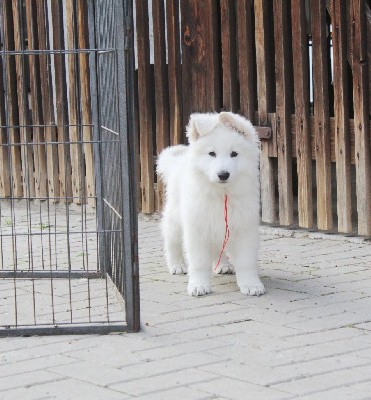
193,218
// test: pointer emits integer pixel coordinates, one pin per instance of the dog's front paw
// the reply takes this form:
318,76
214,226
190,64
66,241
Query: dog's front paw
198,290
179,269
253,288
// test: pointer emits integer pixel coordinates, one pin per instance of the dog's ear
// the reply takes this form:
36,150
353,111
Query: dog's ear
200,125
239,124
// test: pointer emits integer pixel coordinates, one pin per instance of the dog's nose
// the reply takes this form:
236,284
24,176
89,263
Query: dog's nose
223,176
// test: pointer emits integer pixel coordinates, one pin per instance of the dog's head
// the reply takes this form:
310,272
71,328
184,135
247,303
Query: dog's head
223,146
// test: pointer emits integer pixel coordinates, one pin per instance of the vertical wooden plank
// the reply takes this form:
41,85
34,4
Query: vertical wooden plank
321,115
187,61
283,111
209,15
200,56
265,96
25,131
229,61
145,108
342,140
4,157
245,58
47,104
174,72
61,102
86,117
368,32
303,140
361,117
161,87
77,176
12,104
161,90
41,184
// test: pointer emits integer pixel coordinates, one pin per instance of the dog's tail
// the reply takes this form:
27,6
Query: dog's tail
169,159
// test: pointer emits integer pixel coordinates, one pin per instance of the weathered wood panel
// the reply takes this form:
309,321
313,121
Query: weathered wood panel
77,175
341,107
229,61
61,102
4,148
200,57
361,117
11,98
174,72
301,95
86,117
41,182
245,58
321,115
145,109
283,111
265,96
161,87
28,180
47,104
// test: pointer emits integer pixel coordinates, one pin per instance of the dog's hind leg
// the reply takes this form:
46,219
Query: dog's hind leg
224,267
172,233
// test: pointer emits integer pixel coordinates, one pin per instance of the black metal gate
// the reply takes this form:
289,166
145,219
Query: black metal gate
68,227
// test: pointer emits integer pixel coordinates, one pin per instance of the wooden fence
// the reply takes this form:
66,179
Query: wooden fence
298,67
45,113
301,68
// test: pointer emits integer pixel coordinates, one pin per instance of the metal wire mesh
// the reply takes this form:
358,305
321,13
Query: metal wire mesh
64,169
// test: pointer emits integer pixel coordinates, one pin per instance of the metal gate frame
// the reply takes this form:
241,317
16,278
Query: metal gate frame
128,283
125,252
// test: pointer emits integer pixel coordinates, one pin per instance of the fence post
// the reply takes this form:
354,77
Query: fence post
341,107
145,108
246,58
303,139
174,72
361,117
265,96
321,115
161,88
284,111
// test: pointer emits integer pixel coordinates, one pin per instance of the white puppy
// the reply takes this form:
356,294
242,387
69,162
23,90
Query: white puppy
217,173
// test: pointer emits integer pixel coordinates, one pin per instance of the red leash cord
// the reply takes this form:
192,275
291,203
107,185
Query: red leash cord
226,234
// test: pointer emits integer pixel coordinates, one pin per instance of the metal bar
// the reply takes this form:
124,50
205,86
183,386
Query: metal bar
39,274
92,328
59,233
128,171
57,51
96,136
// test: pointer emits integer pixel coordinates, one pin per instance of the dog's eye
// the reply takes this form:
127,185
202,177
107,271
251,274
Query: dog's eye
234,154
212,154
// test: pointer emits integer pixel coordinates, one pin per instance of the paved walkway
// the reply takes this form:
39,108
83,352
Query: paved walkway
308,337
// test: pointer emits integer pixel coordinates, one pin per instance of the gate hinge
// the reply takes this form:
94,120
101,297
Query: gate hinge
264,132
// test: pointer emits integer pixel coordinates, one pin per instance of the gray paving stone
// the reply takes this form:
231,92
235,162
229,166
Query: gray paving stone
27,379
164,381
240,390
181,393
344,393
24,394
326,381
73,389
